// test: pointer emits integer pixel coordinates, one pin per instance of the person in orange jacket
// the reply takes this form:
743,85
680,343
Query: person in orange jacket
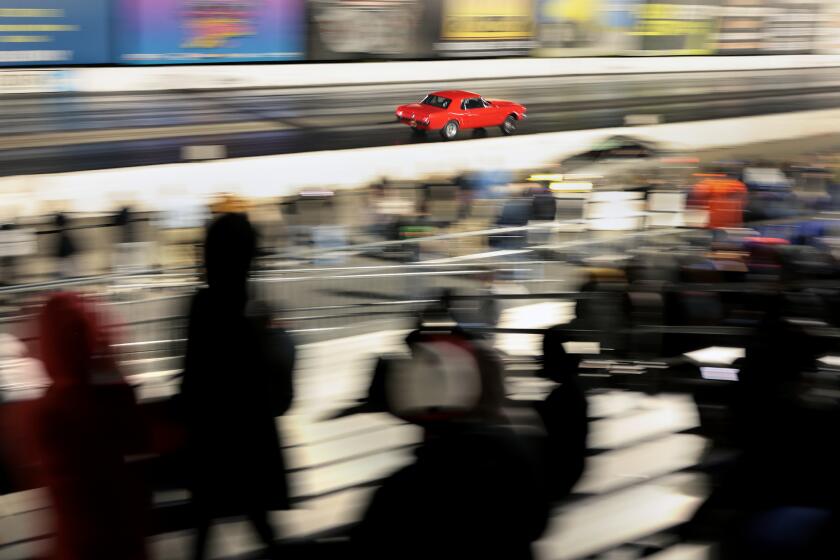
723,197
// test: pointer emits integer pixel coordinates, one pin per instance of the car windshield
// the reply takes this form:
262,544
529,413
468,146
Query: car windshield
436,101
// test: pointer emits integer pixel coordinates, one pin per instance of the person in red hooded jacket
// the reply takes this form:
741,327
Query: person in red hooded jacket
86,427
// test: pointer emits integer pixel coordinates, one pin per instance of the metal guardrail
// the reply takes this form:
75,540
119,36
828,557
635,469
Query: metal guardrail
618,240
437,237
827,215
85,281
110,279
393,289
159,342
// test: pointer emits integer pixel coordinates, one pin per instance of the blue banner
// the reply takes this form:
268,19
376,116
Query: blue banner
54,32
194,31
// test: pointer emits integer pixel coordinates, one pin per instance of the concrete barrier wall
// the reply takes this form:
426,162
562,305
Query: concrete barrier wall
135,79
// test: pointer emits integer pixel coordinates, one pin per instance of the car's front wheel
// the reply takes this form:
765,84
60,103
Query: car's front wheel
450,131
509,126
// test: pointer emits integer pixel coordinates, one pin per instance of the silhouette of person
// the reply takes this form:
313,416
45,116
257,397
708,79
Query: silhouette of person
474,490
86,426
65,249
237,379
8,260
124,221
779,497
125,238
564,414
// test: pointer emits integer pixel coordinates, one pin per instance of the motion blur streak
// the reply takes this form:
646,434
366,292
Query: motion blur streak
78,132
518,307
502,316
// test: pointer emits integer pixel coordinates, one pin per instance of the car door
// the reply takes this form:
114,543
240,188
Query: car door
490,114
475,114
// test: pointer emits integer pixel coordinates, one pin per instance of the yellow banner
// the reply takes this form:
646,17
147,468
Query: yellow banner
487,19
674,29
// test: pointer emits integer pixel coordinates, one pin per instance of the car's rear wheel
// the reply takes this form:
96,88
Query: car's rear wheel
509,126
450,131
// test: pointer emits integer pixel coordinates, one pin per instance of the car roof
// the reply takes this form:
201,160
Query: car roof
455,93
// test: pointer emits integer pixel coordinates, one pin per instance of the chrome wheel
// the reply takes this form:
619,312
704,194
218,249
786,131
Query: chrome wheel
450,130
509,126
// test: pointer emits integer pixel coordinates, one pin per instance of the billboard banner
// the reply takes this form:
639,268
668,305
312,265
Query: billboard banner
586,27
202,31
741,29
773,27
41,80
53,32
793,27
677,28
342,29
482,27
829,42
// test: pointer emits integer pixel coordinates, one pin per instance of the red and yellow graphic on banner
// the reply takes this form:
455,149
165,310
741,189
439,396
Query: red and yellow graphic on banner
213,24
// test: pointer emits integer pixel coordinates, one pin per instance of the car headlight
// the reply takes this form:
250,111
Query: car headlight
427,120
399,113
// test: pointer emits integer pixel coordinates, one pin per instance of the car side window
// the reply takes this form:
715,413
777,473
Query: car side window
473,103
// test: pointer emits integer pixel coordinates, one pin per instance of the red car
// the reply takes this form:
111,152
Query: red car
451,111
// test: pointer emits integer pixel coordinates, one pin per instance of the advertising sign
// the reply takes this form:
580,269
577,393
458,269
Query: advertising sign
53,32
741,28
792,27
340,29
478,27
586,27
830,37
42,80
676,28
200,31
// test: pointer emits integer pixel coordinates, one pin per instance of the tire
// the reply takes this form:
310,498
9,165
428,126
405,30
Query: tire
449,131
509,126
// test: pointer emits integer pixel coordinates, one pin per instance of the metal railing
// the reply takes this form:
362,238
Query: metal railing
319,297
609,241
